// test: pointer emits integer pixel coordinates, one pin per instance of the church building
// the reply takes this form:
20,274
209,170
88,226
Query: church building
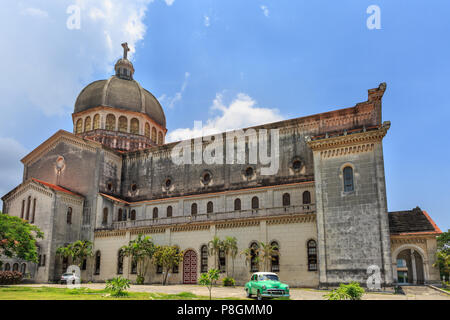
325,209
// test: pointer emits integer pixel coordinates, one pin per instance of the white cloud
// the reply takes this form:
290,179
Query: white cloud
265,10
240,113
10,166
207,21
171,101
48,64
35,12
169,2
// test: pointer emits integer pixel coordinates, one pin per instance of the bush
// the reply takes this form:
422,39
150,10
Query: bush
139,279
117,286
10,277
228,282
352,291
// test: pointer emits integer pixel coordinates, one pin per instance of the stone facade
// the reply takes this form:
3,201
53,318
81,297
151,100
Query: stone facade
325,207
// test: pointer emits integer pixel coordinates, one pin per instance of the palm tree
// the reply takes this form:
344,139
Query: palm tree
268,251
231,248
214,247
251,255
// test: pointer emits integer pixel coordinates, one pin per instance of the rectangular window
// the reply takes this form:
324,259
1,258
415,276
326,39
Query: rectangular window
159,268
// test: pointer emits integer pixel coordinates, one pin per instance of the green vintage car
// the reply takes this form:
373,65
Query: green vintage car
266,285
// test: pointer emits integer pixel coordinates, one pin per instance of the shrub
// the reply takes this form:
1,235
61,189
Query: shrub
10,277
139,279
352,291
117,286
228,282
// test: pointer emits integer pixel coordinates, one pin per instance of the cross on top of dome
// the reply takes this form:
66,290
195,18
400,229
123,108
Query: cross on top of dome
125,50
124,68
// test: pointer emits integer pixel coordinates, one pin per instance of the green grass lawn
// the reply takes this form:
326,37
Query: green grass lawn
46,293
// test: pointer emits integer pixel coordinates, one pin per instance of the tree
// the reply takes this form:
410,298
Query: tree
141,250
443,254
230,247
214,246
209,279
251,254
78,251
18,238
167,257
267,252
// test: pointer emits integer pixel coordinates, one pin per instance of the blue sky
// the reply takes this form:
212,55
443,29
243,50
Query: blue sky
207,59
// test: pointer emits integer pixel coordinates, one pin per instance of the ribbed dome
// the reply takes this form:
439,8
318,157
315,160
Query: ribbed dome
120,94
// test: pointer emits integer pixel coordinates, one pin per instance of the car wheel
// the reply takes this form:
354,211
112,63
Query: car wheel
259,295
249,295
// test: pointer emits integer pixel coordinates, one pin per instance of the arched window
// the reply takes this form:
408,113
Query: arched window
154,134
147,130
255,203
23,268
169,211
175,266
275,265
119,215
34,211
79,126
306,197
133,215
120,262
348,179
87,124
110,122
204,259
96,122
69,215
7,267
28,208
133,266
312,255
160,138
222,260
237,204
15,267
209,207
97,262
23,209
286,200
65,264
134,126
123,124
254,265
194,209
155,213
105,216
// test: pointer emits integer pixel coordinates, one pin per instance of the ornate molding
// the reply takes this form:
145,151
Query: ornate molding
197,227
109,233
299,219
238,224
360,139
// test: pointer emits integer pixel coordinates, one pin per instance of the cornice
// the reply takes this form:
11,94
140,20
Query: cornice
354,139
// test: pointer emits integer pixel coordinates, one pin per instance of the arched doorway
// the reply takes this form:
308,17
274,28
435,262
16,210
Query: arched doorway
190,267
409,267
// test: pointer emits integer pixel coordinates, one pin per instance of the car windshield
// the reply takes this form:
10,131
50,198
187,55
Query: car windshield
68,274
267,277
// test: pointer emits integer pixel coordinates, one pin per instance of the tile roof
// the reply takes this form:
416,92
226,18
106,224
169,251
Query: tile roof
55,187
415,221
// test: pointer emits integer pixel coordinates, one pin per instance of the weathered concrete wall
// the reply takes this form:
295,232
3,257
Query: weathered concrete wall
352,226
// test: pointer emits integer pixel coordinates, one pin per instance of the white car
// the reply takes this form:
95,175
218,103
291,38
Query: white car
69,278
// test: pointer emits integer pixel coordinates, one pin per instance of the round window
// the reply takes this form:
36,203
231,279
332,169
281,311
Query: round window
133,187
249,172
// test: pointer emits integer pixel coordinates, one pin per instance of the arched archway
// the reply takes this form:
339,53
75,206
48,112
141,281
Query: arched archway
410,265
190,267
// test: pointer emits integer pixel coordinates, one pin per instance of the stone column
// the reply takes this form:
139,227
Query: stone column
414,270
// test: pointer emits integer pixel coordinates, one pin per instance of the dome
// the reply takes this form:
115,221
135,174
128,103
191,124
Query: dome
120,94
